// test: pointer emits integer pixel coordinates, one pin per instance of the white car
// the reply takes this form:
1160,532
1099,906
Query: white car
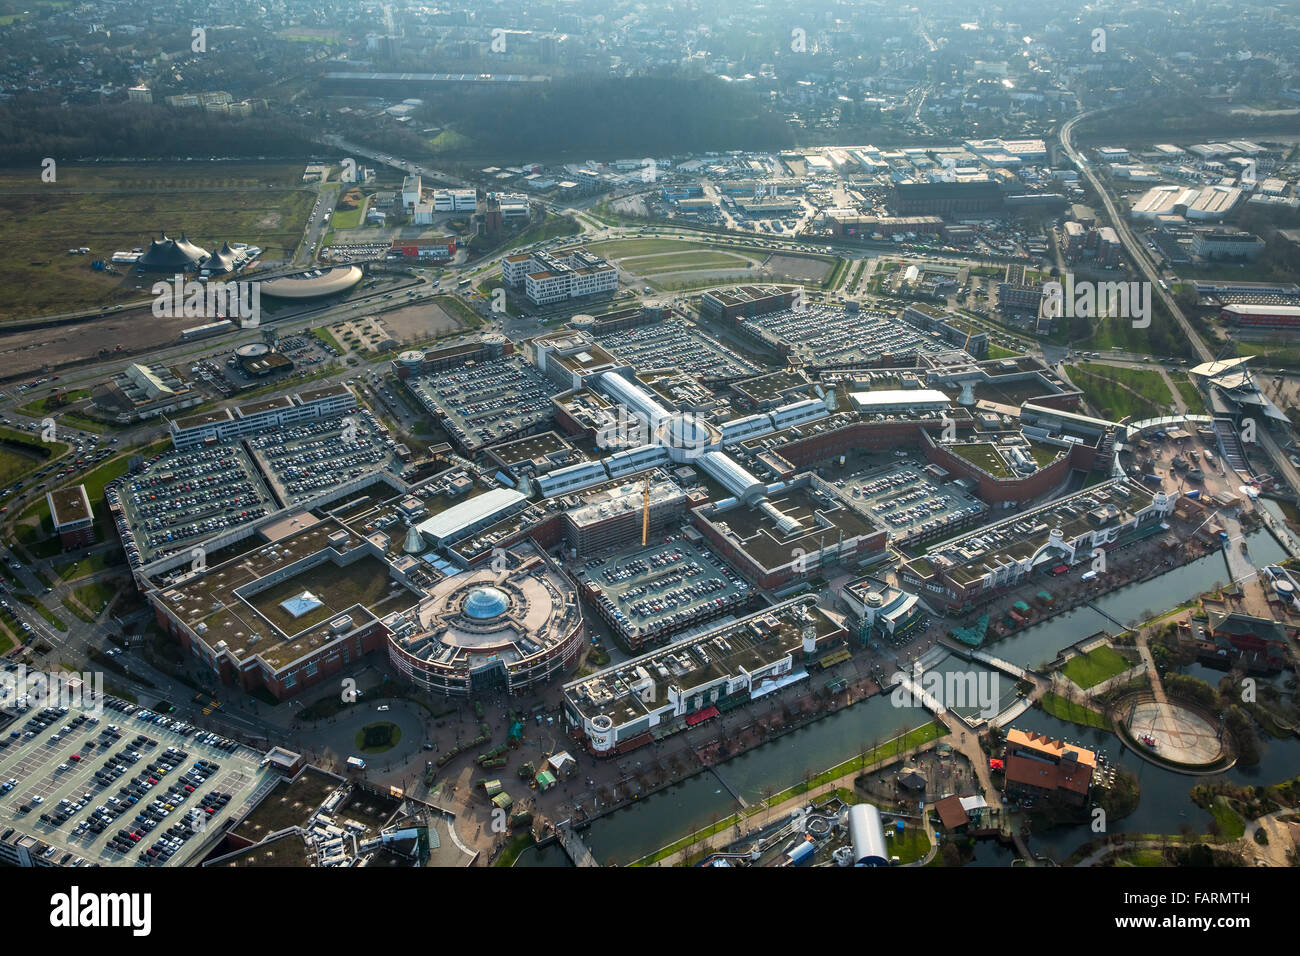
382,708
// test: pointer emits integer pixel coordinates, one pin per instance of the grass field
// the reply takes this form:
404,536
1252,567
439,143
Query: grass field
15,464
684,262
1190,394
21,454
109,208
1231,825
1116,392
1099,664
47,404
620,249
1075,713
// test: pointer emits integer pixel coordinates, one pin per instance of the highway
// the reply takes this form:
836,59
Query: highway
1280,460
1134,248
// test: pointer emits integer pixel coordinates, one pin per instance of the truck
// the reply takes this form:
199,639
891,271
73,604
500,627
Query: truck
1153,480
356,763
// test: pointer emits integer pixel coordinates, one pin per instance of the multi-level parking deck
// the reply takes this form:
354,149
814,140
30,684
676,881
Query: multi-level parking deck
182,497
911,504
825,337
650,593
482,403
303,461
677,344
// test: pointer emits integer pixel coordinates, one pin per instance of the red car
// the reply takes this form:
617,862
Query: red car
75,758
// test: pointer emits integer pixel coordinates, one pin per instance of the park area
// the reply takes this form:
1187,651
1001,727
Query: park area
1116,392
1099,664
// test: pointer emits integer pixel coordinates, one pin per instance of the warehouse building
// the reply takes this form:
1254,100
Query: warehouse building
1262,316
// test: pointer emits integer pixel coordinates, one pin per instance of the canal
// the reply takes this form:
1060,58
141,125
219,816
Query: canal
641,828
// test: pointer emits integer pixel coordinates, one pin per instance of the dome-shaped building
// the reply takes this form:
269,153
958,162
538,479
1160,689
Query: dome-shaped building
486,628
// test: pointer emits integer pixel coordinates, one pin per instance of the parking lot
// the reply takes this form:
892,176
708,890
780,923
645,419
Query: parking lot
303,461
185,496
123,786
663,588
486,402
822,335
346,252
909,503
676,344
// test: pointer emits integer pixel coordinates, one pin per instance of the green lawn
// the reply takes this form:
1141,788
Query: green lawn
394,732
457,309
1231,825
685,262
43,406
1118,392
983,455
621,249
15,464
1190,394
912,846
518,843
1075,713
1143,858
1099,664
346,218
97,594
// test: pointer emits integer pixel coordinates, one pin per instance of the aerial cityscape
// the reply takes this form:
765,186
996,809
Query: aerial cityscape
825,434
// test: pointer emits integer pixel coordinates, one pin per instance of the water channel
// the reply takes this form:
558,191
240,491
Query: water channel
645,826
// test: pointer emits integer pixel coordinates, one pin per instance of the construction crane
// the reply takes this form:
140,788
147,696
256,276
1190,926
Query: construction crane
645,513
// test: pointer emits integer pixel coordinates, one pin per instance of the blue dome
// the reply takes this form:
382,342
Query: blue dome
485,603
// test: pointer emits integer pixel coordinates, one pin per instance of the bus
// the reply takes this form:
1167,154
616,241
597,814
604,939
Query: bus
463,283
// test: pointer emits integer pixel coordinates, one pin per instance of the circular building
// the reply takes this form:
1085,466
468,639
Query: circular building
313,284
481,630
